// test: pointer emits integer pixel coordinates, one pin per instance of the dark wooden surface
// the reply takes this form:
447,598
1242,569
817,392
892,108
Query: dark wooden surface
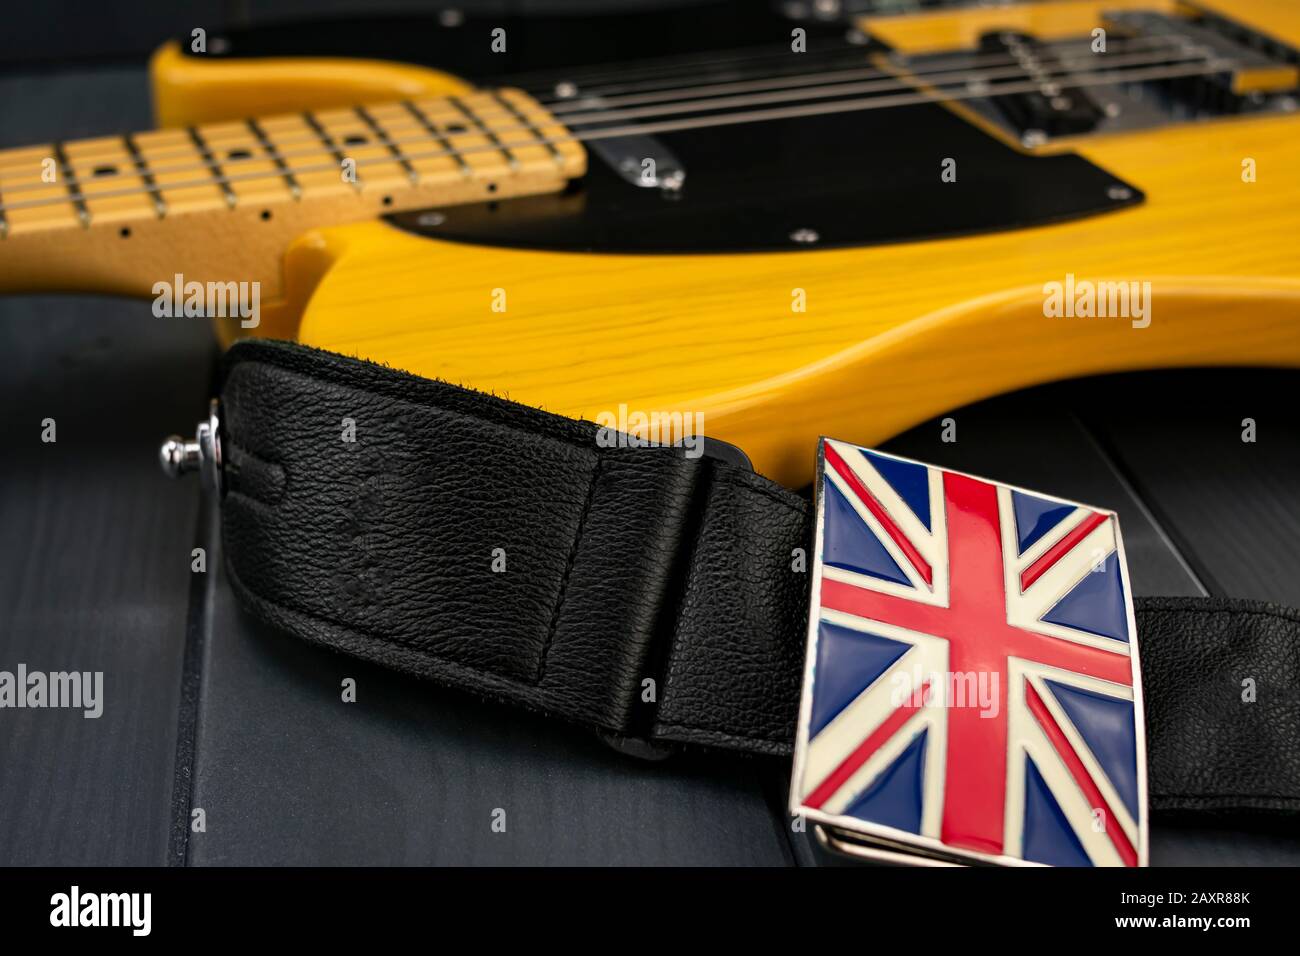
413,774
94,544
206,709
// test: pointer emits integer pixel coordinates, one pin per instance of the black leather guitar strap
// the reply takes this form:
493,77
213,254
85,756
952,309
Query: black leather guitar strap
500,549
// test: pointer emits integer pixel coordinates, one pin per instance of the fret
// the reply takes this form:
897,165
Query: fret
31,203
469,114
441,140
388,141
384,171
485,160
251,175
142,168
568,152
260,135
105,176
328,141
213,166
311,164
183,179
524,121
79,204
412,155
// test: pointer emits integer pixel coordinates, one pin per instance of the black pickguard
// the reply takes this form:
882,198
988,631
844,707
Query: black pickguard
852,179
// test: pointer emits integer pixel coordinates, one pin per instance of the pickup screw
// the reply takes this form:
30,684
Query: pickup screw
673,181
451,17
566,90
428,220
1119,193
804,236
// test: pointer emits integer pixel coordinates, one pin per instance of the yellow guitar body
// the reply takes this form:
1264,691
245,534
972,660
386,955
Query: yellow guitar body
889,335
892,335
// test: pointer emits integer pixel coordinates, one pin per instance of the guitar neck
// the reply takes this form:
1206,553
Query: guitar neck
222,202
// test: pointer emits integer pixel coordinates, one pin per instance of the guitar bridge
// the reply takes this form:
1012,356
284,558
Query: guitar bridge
1140,70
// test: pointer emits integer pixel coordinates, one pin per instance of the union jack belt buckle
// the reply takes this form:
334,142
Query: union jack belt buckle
971,688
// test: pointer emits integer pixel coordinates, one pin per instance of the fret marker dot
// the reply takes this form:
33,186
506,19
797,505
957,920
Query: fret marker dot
266,214
238,154
491,187
125,232
104,170
454,128
354,140
388,200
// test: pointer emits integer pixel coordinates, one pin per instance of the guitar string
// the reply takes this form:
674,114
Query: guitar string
609,94
1060,77
783,83
688,64
625,76
682,62
786,64
594,111
664,126
866,86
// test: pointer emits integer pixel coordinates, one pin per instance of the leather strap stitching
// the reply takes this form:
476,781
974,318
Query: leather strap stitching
356,632
568,571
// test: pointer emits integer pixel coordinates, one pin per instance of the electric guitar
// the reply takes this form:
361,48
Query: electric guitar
792,227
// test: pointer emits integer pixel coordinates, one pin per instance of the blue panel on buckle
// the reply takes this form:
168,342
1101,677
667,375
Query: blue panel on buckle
894,800
851,545
1096,604
1048,837
1106,726
1036,516
848,662
910,480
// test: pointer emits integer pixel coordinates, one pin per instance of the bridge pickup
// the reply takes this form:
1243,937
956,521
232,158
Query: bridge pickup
1143,70
1054,108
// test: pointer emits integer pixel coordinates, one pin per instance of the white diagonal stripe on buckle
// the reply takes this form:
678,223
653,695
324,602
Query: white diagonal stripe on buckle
1025,609
871,708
